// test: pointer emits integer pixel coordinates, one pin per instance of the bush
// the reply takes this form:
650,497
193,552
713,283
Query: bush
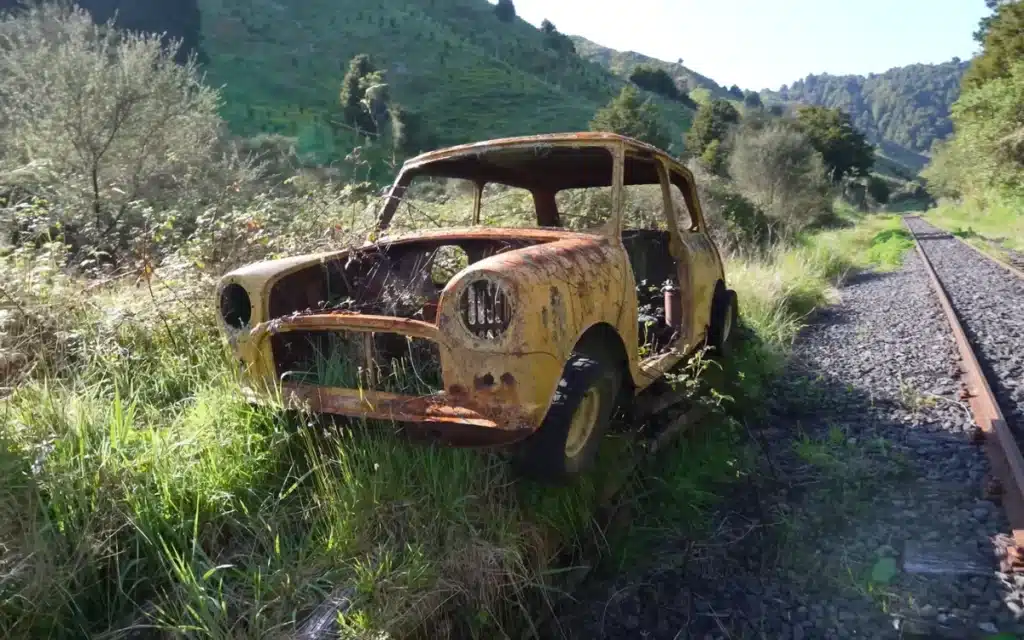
628,116
734,221
114,142
654,79
879,189
777,167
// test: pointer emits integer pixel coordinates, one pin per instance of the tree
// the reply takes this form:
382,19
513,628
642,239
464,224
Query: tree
353,93
986,23
627,115
736,92
107,124
844,149
752,99
1002,45
712,123
777,167
553,39
505,10
987,152
907,106
879,189
654,79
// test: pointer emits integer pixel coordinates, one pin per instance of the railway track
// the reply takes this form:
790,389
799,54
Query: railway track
991,349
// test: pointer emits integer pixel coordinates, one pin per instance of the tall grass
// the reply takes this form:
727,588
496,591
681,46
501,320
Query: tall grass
780,287
991,226
139,490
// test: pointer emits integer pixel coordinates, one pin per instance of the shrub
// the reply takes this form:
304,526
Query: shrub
628,116
879,189
109,126
777,167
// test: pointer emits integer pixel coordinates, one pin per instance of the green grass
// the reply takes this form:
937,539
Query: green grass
779,289
139,488
144,478
992,227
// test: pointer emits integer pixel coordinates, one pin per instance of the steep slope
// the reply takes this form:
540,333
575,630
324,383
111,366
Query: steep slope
468,74
178,20
621,63
903,110
465,74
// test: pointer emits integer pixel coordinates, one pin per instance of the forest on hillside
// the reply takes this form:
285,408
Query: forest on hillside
908,106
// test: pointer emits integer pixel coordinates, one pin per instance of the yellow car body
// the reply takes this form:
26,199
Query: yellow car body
550,290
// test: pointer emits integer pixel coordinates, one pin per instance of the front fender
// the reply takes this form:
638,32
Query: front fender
558,290
259,277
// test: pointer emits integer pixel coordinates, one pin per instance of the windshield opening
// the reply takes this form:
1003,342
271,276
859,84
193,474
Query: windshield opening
545,186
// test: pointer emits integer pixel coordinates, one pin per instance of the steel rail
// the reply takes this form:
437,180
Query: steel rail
1000,445
1002,263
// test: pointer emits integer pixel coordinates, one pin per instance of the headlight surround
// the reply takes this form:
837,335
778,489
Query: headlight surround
486,308
235,306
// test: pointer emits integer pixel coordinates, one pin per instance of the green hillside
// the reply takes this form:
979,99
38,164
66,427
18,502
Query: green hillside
904,110
467,74
621,63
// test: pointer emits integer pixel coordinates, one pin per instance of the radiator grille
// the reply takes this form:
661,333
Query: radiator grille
388,362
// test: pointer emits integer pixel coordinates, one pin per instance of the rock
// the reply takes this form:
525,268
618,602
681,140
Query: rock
927,611
988,627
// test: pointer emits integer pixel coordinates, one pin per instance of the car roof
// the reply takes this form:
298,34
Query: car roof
551,161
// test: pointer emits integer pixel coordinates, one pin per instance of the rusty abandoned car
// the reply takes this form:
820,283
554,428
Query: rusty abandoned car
522,325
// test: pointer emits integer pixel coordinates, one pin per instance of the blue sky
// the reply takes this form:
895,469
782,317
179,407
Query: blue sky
759,45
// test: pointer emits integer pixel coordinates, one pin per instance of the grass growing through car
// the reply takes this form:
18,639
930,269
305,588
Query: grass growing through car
139,488
143,489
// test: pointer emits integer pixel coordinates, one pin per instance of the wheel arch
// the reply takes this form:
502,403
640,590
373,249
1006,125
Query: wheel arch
603,341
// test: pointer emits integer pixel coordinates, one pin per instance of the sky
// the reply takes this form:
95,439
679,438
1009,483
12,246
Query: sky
763,45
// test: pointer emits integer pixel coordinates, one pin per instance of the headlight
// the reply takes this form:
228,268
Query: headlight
235,306
486,308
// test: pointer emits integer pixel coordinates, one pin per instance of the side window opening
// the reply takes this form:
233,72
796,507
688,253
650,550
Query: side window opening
682,203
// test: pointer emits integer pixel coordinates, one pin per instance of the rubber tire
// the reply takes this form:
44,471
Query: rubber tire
725,304
542,456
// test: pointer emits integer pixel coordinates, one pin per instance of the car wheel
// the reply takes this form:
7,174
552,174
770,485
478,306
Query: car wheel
724,321
567,441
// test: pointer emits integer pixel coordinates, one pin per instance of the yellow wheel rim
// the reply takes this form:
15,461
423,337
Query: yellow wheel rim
584,419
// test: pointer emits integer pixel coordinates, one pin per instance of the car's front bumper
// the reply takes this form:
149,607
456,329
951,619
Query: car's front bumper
474,409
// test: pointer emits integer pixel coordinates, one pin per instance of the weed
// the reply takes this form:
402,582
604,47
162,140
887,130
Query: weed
914,401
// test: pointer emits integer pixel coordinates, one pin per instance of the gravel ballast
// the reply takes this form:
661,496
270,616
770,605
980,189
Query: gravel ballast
866,517
989,300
